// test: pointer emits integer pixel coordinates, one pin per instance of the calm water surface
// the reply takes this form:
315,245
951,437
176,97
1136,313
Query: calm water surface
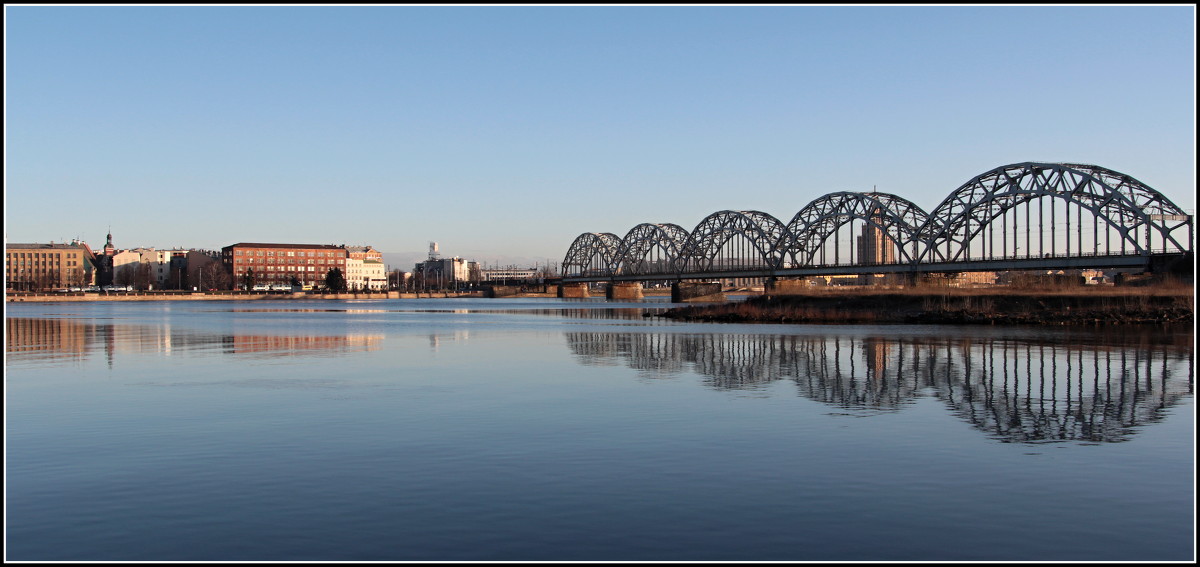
581,430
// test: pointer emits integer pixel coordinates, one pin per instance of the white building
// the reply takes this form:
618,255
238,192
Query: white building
364,268
159,262
444,271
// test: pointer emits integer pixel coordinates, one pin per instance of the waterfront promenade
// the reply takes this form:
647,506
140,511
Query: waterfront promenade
227,296
169,295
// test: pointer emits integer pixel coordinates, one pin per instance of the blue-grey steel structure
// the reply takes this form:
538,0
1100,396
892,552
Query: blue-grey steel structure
1022,216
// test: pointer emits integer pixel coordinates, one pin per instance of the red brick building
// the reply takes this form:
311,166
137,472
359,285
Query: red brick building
277,264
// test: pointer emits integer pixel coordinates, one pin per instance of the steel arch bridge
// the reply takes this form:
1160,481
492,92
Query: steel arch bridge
1026,215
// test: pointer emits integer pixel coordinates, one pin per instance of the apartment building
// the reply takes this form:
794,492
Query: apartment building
273,263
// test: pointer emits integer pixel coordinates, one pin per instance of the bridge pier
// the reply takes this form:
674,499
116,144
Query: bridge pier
686,292
573,291
623,291
1178,266
502,291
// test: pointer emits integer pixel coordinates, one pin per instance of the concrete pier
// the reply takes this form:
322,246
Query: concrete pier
501,291
687,292
623,291
573,291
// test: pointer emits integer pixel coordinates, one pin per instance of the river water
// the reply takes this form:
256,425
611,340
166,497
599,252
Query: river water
580,430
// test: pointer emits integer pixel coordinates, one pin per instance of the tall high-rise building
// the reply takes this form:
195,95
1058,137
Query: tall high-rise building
874,245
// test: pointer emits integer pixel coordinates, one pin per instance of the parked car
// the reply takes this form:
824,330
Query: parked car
92,288
261,287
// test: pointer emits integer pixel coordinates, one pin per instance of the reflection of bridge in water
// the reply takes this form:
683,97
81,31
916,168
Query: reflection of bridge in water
1025,216
1015,390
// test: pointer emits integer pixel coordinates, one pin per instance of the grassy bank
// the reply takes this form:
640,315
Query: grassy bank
1072,306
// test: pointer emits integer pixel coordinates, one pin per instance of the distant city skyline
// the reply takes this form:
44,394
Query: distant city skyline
503,132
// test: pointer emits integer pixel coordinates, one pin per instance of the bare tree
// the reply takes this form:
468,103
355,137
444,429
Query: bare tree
46,279
206,272
125,275
144,276
249,279
79,277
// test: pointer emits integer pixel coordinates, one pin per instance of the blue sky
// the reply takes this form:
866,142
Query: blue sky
503,132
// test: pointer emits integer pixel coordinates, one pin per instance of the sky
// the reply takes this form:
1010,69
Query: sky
504,132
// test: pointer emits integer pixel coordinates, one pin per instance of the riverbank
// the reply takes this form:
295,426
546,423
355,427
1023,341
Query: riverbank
1100,306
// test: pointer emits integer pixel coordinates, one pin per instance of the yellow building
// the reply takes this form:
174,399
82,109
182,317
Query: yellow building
38,267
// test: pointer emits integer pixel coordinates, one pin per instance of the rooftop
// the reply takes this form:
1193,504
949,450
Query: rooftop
276,245
42,246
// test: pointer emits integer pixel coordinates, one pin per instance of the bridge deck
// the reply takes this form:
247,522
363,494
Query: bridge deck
1137,262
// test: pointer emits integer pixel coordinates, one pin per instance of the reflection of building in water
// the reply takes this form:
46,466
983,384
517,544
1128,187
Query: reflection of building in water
435,340
66,338
875,352
289,345
32,338
1012,389
58,338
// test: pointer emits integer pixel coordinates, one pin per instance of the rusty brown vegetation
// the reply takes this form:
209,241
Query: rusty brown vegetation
1167,303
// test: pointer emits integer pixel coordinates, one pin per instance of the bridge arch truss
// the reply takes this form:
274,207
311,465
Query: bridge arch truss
592,254
1004,218
651,249
894,222
734,240
994,213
